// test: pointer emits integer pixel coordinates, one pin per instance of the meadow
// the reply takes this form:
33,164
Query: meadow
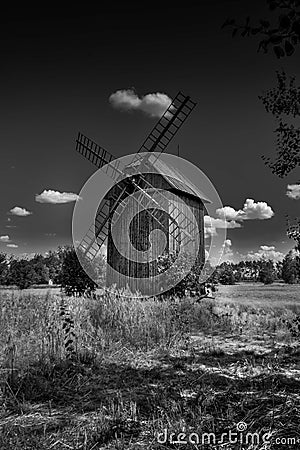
279,294
113,373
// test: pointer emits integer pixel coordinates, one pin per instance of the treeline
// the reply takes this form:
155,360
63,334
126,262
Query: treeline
264,271
61,267
23,272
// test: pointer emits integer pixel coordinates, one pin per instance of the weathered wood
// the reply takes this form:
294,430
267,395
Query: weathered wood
131,234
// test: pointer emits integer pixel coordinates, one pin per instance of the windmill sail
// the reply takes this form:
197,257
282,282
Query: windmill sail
98,156
98,231
157,141
167,126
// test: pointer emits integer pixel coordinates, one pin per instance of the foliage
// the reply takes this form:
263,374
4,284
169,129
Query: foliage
3,268
53,262
293,232
225,273
262,270
283,35
63,268
40,270
73,278
24,273
294,326
99,264
68,329
284,100
191,284
21,273
291,268
267,272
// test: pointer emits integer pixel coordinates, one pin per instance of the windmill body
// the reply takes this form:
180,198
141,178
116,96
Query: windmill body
138,232
156,209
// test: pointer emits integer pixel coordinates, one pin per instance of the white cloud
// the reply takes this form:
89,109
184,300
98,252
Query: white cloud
293,191
259,210
227,244
267,248
227,212
26,256
227,250
265,252
154,105
22,212
211,224
228,217
251,211
12,245
55,197
4,238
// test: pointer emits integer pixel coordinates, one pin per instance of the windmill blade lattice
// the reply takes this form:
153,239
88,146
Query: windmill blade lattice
98,232
157,141
97,155
89,245
167,126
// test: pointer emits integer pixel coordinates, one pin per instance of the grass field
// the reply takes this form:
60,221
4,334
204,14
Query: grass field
278,294
138,368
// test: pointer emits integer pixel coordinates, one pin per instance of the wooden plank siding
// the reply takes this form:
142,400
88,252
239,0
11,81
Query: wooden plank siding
143,225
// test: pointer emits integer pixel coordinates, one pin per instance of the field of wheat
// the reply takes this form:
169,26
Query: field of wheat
121,373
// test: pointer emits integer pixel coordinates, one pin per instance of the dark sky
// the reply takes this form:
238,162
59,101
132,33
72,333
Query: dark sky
58,69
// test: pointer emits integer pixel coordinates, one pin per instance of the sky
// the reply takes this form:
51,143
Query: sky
61,70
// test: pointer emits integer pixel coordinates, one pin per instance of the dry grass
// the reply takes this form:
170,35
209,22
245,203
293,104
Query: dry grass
139,367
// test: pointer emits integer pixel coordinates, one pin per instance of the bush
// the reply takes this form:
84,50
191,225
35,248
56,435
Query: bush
192,284
225,274
73,279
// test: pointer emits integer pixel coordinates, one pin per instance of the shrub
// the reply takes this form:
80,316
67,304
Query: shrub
73,279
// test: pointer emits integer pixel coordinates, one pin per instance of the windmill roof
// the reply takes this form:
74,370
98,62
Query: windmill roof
175,178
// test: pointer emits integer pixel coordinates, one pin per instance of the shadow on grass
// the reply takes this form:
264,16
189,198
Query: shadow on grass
119,401
87,386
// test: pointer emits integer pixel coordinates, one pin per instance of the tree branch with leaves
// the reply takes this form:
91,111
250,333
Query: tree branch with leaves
281,34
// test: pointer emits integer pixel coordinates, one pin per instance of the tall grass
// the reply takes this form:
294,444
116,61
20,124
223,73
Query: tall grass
33,327
36,328
73,355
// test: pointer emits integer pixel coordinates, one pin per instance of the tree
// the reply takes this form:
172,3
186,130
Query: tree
283,36
3,268
21,273
41,271
291,268
226,275
267,272
73,278
53,262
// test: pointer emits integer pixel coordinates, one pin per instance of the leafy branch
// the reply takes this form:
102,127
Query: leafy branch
293,231
282,36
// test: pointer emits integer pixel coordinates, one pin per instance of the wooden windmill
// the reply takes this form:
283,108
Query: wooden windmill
140,197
